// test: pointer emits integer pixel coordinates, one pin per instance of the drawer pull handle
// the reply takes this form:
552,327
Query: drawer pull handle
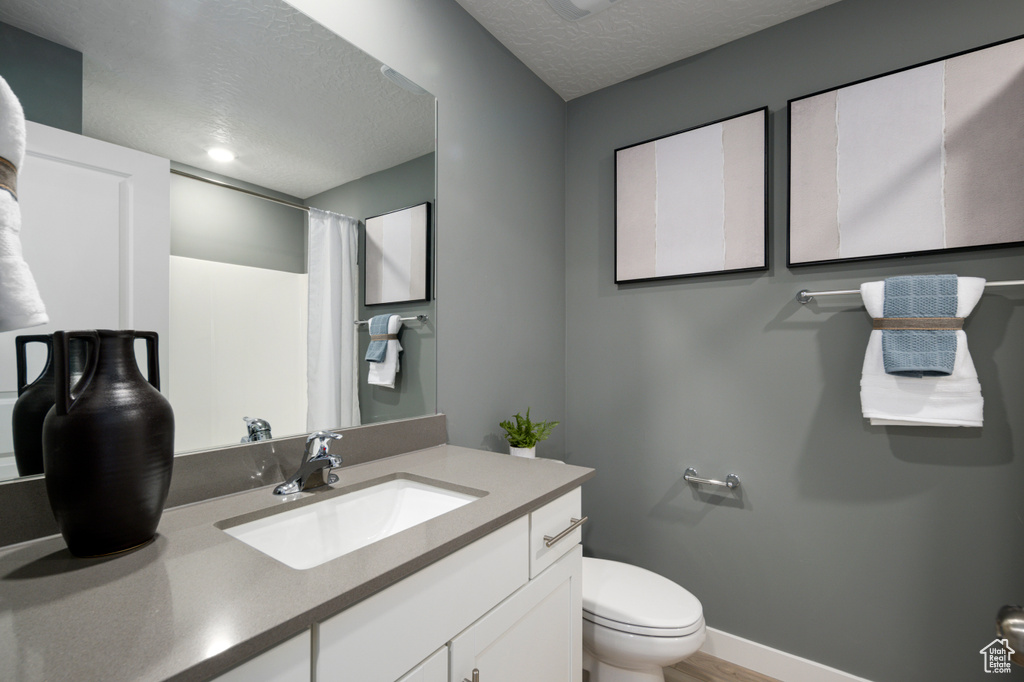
476,676
576,523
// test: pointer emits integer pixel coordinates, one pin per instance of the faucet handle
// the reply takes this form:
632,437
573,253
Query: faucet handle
317,445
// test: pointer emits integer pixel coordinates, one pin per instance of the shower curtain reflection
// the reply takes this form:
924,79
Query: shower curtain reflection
332,343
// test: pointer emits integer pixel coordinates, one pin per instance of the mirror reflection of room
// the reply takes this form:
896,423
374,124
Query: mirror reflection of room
132,215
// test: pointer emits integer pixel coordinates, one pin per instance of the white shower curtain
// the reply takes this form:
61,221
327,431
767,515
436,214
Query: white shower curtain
332,369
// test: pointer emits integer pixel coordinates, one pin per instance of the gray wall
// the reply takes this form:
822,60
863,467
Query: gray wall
500,210
46,77
415,391
218,224
881,551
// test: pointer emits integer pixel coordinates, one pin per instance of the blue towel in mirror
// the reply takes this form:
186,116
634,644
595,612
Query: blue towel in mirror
378,349
919,353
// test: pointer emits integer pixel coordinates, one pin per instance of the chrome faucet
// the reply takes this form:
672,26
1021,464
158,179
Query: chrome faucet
316,462
258,429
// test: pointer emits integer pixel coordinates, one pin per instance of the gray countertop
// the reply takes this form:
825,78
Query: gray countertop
195,602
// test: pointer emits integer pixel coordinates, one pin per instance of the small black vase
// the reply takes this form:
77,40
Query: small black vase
35,400
108,444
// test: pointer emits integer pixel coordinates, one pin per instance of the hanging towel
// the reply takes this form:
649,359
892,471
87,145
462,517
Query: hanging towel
894,400
383,373
377,349
916,352
20,304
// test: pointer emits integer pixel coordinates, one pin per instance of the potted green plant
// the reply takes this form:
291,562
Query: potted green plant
524,434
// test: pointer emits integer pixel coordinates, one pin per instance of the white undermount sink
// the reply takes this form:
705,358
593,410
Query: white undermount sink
315,533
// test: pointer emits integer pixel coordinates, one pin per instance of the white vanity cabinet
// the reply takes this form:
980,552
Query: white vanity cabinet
483,602
533,635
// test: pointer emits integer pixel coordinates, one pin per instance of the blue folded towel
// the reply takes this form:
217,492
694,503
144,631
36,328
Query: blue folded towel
919,353
378,349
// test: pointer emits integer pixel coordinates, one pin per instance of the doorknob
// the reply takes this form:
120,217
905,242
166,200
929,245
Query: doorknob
1010,625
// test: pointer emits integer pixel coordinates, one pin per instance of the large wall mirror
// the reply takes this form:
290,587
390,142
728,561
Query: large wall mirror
164,241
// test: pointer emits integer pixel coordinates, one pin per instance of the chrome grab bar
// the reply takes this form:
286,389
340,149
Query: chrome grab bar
732,481
573,525
476,676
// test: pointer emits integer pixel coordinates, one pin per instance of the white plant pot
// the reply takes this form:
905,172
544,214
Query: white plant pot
522,452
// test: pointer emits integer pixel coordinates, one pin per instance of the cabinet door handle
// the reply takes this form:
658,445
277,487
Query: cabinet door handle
573,525
476,676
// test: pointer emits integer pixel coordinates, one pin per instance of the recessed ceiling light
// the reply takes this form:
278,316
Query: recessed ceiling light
221,154
574,10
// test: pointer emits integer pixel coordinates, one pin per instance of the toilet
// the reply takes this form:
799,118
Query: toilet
635,622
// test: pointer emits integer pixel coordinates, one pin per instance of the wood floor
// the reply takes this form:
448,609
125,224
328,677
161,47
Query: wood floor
703,667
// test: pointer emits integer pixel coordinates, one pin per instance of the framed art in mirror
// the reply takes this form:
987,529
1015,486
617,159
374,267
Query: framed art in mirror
397,268
693,202
920,160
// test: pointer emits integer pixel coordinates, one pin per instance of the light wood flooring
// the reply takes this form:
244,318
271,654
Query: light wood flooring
702,667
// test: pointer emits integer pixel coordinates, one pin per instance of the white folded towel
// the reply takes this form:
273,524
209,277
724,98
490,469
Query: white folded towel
20,303
889,400
383,373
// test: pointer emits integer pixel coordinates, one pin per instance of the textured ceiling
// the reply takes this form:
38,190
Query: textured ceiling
303,109
630,38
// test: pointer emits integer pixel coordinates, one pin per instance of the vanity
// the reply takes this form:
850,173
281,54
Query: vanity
476,588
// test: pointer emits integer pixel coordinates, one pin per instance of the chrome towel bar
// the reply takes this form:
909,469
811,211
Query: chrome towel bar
804,296
732,481
422,317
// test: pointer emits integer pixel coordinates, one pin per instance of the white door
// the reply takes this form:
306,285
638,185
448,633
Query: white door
535,634
434,669
96,235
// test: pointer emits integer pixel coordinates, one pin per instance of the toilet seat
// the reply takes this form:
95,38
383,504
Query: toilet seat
631,629
634,600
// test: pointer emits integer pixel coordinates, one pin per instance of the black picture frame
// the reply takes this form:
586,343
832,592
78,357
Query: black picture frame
627,272
405,274
798,247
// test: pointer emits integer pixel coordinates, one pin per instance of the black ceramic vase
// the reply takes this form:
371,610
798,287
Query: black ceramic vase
108,444
35,400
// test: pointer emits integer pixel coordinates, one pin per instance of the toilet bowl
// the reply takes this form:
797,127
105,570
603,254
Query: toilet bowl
635,622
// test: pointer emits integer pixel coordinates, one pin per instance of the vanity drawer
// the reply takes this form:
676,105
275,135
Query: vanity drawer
551,520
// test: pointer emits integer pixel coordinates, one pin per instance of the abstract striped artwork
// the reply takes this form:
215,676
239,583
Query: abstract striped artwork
693,202
397,256
925,159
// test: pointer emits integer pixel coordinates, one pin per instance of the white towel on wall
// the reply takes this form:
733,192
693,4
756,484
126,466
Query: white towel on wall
889,400
20,303
383,373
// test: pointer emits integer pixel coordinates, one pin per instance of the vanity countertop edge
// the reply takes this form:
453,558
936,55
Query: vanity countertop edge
196,602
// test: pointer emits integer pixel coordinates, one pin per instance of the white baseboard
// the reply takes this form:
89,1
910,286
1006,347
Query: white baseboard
771,662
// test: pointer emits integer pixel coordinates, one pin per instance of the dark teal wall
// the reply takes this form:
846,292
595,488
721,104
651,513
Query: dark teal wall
882,551
46,77
218,224
415,389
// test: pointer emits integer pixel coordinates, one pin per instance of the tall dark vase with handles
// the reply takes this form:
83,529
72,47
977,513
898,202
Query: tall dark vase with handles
35,399
108,444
